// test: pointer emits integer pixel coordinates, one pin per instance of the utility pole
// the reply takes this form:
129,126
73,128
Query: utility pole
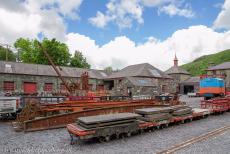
7,50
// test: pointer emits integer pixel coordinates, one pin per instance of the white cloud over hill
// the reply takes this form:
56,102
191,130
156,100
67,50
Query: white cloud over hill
30,18
187,43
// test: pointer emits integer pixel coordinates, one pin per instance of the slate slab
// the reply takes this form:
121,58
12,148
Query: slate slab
107,118
153,110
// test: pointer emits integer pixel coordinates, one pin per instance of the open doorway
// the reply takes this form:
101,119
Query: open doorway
188,89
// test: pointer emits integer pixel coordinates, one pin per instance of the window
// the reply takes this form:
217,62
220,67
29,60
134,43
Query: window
8,68
90,86
155,73
142,81
8,86
163,88
48,87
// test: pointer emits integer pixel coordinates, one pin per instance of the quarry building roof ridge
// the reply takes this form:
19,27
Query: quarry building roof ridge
176,70
222,66
140,70
47,70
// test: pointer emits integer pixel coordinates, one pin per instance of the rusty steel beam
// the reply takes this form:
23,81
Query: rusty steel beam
62,120
54,67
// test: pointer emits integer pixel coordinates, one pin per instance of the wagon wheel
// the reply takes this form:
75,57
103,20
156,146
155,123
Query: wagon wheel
141,131
103,139
128,134
158,127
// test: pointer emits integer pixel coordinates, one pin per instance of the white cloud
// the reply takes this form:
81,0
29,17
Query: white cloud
188,43
29,18
223,18
100,20
69,7
154,3
125,12
122,12
173,10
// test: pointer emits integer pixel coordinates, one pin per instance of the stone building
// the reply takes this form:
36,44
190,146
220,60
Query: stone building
139,79
34,78
191,85
178,74
221,70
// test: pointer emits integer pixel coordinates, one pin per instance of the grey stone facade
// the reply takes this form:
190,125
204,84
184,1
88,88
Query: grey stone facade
40,81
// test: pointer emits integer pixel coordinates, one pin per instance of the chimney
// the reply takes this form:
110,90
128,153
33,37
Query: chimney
175,61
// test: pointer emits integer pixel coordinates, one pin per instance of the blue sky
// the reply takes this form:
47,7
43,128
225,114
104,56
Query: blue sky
118,33
160,26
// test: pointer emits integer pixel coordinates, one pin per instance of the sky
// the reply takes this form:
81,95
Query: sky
119,33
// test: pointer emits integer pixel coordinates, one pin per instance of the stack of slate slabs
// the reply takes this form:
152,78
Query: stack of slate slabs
155,114
98,121
181,110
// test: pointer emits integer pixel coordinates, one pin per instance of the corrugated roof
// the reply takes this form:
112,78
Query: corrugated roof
143,82
140,70
47,70
176,70
222,66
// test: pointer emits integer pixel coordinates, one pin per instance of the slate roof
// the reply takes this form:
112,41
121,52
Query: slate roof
139,70
195,79
223,66
176,70
143,82
47,70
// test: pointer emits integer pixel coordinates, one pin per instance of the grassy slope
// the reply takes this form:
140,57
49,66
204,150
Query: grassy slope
198,66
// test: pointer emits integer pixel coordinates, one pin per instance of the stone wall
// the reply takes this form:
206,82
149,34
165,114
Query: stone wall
40,80
122,85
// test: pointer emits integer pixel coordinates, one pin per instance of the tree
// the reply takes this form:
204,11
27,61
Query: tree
78,60
25,50
108,69
30,52
10,54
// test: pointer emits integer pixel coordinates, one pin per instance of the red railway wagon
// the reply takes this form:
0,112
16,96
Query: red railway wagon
78,132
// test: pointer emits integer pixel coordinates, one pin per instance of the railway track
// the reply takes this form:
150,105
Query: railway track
206,136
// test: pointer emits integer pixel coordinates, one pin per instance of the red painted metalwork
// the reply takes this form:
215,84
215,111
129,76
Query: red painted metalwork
48,87
212,76
213,90
216,105
77,131
179,119
62,120
30,87
8,86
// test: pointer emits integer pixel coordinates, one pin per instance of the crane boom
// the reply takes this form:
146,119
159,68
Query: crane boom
54,67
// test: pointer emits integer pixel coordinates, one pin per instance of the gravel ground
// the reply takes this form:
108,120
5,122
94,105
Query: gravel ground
219,144
57,141
191,101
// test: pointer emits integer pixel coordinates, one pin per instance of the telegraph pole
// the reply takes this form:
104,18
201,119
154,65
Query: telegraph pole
7,50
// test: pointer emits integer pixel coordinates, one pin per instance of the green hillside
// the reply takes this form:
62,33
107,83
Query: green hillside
198,66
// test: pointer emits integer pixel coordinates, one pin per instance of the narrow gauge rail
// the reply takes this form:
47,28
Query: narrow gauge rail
195,139
80,133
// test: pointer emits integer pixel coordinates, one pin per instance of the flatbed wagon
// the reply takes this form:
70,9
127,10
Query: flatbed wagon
104,127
